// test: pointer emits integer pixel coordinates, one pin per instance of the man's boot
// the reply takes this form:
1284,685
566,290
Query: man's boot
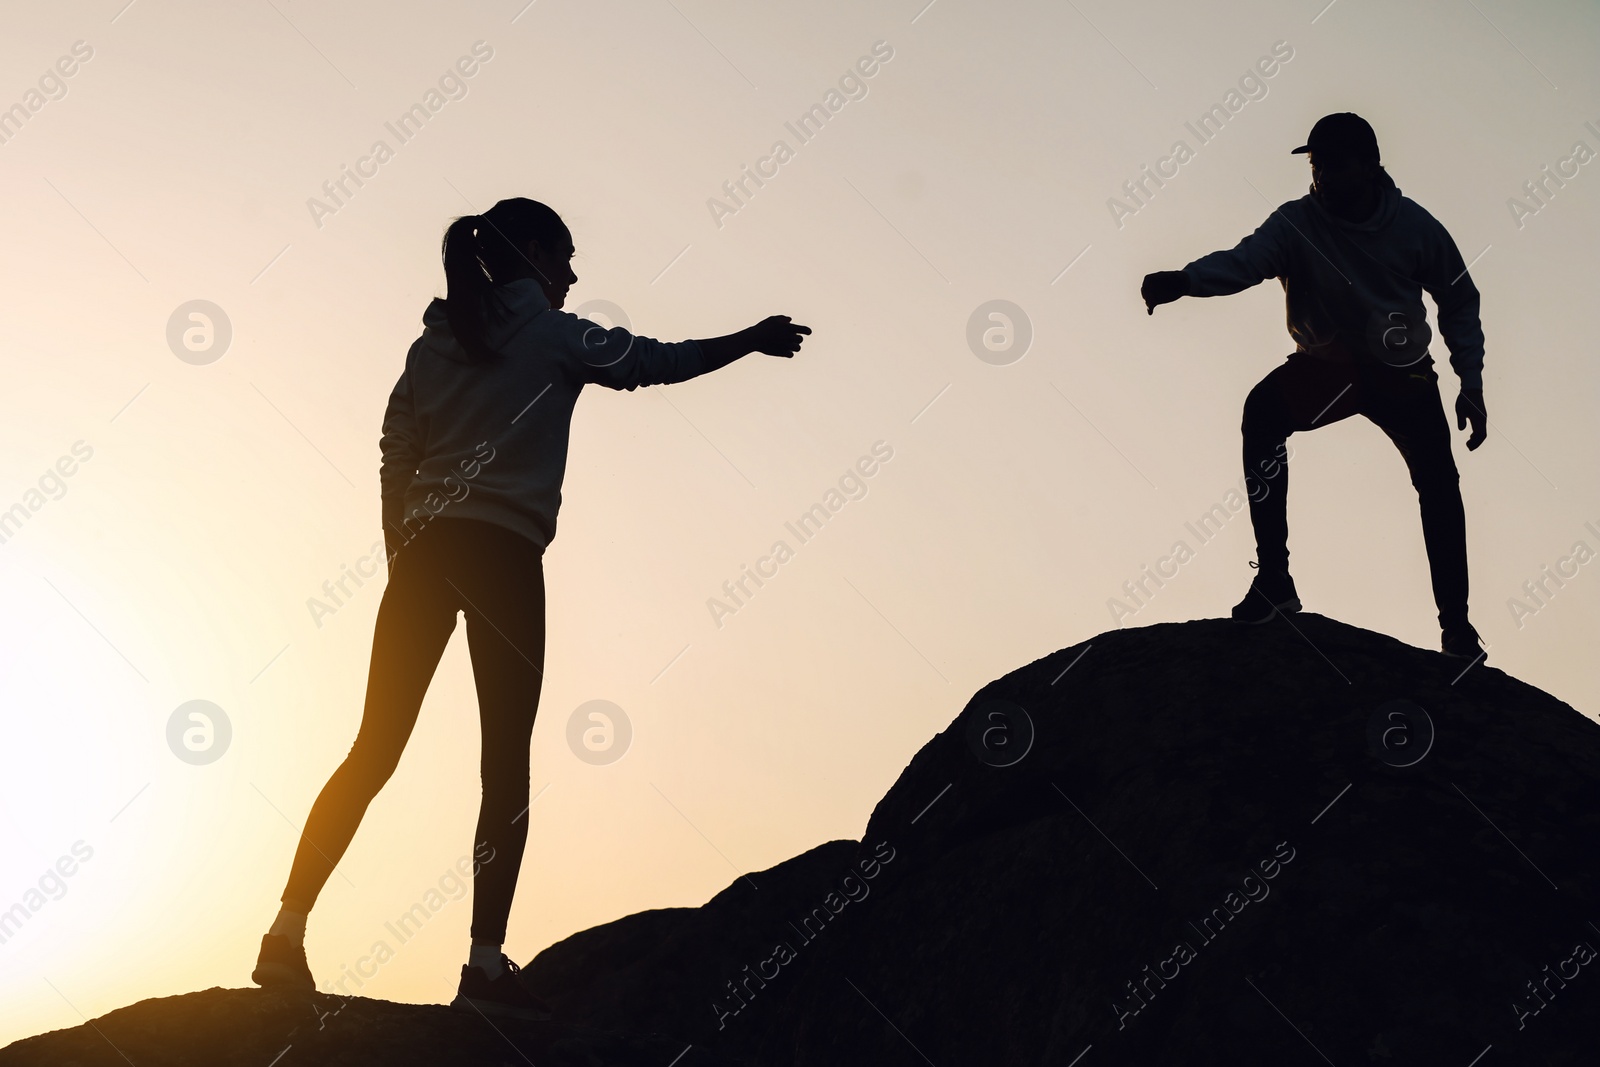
1459,639
1271,593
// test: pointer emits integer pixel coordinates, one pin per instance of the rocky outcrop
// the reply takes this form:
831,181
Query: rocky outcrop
1195,844
1186,844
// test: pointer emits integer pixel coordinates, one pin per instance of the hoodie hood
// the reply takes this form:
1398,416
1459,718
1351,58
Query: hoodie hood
1388,206
513,305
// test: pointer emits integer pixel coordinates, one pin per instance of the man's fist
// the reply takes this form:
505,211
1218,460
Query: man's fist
1163,287
1470,409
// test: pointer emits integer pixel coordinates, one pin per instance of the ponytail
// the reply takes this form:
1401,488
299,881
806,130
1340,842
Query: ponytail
467,286
481,253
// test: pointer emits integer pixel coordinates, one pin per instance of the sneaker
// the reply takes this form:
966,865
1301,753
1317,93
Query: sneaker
504,996
282,965
1271,592
1461,641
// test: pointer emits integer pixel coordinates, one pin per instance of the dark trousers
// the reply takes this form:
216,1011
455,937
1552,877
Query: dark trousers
1307,392
496,577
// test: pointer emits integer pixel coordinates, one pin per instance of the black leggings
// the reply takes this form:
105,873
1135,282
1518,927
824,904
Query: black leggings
496,576
1306,392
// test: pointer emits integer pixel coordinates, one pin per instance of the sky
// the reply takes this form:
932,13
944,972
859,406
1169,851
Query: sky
204,328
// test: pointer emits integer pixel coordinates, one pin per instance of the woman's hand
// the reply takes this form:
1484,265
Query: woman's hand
777,336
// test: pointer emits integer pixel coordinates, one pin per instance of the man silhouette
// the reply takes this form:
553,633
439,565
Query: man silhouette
1354,256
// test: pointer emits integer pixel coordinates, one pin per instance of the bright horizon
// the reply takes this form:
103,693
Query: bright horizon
185,519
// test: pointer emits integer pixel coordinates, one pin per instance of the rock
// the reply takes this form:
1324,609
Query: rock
1186,844
1382,880
645,971
256,1028
1348,877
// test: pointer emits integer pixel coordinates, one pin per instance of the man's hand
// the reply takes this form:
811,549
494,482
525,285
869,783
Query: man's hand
777,336
1163,287
1470,409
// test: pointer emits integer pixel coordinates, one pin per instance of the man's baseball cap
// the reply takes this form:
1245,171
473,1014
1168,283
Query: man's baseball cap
1342,134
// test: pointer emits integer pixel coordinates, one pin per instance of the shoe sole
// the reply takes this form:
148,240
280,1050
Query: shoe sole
1288,607
495,1008
278,976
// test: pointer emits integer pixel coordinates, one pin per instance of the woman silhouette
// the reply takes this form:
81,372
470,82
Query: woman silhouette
474,449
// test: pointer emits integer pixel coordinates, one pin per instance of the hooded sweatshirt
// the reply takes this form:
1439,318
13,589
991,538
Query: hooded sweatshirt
489,440
1354,289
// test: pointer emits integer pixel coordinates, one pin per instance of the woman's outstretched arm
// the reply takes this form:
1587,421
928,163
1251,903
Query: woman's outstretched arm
618,359
775,336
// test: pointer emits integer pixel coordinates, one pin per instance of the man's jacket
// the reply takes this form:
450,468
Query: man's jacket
1354,289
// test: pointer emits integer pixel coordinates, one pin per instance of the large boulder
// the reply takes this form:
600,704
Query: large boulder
1187,844
257,1028
1184,844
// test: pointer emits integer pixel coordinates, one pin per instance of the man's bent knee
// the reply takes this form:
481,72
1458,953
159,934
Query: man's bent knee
1262,416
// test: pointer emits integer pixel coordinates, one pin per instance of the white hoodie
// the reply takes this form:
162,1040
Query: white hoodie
1354,289
489,440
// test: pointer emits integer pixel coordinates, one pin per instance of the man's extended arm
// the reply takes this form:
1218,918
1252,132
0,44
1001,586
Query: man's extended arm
1253,260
